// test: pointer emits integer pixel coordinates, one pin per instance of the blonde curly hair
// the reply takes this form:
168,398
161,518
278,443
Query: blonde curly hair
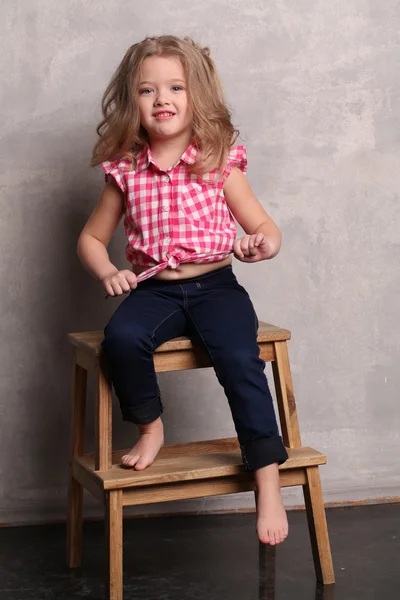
120,131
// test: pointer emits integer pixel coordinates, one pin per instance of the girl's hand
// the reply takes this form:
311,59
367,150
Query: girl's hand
252,248
120,282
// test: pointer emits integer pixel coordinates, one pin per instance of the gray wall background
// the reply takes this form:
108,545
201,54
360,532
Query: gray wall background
315,90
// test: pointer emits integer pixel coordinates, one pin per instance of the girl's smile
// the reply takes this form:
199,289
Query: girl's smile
162,115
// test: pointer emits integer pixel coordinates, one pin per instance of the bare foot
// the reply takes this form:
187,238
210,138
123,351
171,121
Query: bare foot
272,524
144,452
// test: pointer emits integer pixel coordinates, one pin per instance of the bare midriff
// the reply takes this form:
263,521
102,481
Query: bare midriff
186,271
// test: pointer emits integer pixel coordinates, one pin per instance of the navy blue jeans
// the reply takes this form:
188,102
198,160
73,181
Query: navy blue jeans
214,310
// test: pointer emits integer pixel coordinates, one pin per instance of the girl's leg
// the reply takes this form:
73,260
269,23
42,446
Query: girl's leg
222,318
143,321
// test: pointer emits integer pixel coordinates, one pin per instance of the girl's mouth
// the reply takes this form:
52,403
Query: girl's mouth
163,116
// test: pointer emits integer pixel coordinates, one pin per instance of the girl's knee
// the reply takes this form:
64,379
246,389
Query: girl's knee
239,360
122,341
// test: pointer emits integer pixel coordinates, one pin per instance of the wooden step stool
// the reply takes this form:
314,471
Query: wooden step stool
192,470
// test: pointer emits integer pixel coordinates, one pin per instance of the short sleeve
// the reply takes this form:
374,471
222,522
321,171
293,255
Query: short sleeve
116,169
237,158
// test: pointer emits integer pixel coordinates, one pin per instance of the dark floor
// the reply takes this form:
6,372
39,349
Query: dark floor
209,557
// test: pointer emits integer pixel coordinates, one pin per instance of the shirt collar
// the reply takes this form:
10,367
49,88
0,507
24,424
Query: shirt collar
145,157
190,154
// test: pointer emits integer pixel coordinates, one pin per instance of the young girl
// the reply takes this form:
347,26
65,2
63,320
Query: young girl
173,173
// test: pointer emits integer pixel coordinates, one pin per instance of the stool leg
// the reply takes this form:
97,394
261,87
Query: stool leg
103,418
318,527
285,396
114,564
77,448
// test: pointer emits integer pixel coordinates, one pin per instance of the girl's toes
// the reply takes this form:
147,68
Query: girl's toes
272,539
128,460
141,464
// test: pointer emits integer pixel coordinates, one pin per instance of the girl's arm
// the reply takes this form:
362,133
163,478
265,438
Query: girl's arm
263,239
98,231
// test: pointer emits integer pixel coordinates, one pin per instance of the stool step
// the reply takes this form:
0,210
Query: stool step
184,462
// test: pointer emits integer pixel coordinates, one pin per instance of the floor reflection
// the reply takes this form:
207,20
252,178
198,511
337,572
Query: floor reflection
267,579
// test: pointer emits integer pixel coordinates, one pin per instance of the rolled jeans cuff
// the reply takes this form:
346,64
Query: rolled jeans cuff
263,452
143,414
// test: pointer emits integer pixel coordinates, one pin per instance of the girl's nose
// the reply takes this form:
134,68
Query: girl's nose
160,101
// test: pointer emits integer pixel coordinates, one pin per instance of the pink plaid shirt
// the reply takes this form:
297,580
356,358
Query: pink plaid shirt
173,216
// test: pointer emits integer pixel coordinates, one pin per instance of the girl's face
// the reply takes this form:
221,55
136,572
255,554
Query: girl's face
163,103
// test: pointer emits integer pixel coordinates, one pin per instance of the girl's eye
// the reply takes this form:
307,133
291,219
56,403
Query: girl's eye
177,88
145,91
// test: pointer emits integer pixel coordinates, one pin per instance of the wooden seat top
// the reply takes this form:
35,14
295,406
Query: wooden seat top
90,341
